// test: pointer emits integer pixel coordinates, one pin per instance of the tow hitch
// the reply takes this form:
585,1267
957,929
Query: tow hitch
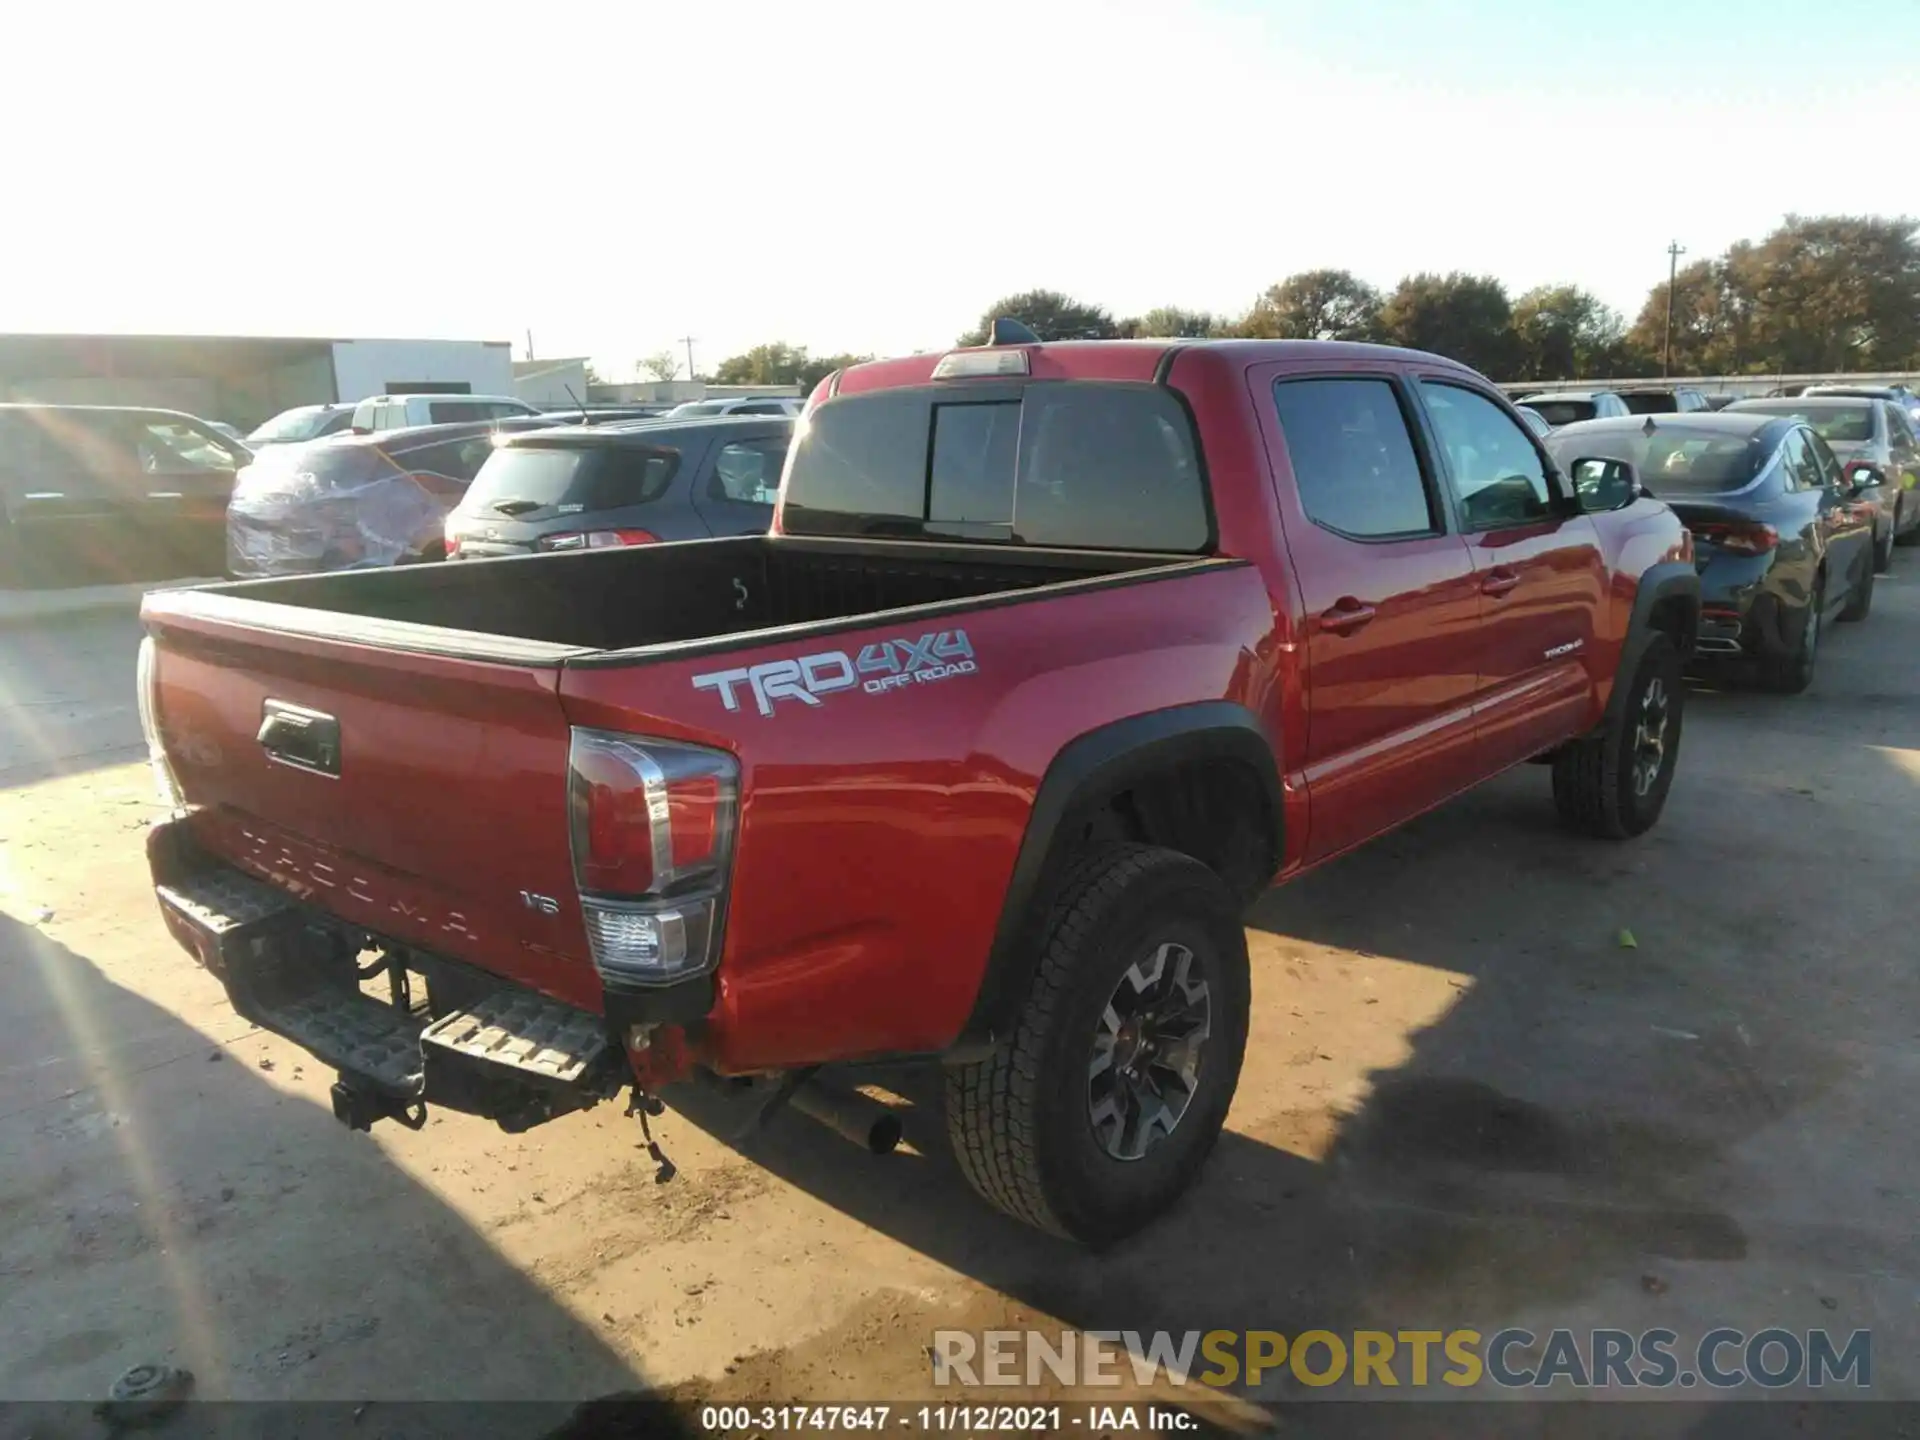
358,1106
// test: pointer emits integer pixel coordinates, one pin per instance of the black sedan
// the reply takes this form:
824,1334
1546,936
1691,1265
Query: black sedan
1783,541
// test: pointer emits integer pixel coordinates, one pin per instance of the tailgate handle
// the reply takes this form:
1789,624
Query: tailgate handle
305,739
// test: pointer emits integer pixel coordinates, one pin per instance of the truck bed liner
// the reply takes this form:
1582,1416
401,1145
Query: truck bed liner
621,600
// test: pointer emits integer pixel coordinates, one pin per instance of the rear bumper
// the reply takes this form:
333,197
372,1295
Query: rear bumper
467,1040
1740,616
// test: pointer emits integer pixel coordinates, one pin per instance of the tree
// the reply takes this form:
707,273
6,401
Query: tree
1562,332
778,363
1820,293
1171,322
818,367
1315,305
1712,321
1466,317
593,373
661,365
1049,314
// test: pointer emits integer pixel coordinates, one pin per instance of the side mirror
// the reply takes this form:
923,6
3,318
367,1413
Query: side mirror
1864,477
1605,484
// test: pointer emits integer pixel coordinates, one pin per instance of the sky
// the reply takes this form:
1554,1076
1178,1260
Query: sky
868,177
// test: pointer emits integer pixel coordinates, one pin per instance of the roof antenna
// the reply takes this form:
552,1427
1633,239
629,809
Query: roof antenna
576,400
1008,331
1649,427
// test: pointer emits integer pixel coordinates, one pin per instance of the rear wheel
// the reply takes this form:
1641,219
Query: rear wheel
1614,785
1100,1108
1792,672
1883,548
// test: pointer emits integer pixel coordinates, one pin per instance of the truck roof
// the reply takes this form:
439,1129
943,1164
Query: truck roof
1125,359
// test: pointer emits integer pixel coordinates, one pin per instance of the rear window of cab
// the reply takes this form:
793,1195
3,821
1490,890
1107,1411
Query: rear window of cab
1066,464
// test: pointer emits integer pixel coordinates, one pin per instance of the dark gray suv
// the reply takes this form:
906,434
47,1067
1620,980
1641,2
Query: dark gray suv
582,488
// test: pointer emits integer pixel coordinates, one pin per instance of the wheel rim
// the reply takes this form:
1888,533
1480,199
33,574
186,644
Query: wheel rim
1650,736
1147,1044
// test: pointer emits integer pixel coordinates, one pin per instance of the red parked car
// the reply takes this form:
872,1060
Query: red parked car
1059,655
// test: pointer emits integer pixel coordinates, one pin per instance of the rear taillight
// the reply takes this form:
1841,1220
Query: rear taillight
1740,538
595,539
147,687
652,827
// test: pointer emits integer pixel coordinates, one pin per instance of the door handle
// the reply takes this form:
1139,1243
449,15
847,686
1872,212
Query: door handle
1346,617
1499,582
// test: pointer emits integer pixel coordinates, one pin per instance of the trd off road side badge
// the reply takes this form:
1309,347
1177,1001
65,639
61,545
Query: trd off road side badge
889,665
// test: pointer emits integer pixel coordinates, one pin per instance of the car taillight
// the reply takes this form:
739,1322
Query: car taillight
595,539
652,827
147,692
1741,539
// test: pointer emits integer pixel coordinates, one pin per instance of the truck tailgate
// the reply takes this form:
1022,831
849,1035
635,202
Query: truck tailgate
442,800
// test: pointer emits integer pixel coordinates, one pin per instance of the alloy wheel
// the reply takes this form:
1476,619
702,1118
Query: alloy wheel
1147,1049
1650,737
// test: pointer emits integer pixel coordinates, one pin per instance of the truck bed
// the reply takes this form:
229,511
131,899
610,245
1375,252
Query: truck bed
649,596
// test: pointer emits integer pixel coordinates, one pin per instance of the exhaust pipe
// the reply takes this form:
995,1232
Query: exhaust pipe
867,1123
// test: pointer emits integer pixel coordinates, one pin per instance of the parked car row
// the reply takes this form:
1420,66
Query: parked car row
1795,505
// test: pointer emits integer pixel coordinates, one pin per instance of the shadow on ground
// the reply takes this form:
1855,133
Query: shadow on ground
199,1217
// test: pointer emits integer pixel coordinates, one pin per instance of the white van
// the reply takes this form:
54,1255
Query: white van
396,412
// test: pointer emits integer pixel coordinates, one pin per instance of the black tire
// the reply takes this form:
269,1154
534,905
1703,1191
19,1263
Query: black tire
1860,603
1022,1121
1792,673
1883,549
1599,785
1903,536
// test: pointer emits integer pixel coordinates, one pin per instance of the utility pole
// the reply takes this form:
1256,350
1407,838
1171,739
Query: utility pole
687,340
529,342
1674,252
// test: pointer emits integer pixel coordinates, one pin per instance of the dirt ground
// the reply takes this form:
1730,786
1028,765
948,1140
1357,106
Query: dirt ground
1466,1103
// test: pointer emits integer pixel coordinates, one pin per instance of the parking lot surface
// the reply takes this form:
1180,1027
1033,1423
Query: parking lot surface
1497,1076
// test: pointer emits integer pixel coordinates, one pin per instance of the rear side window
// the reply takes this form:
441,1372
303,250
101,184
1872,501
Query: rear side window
748,471
1655,402
1353,458
457,459
448,412
1563,412
1072,464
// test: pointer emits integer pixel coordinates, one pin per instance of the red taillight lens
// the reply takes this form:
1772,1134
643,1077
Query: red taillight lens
653,824
595,539
1741,539
693,818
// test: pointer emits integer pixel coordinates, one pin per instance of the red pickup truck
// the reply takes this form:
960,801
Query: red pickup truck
1058,655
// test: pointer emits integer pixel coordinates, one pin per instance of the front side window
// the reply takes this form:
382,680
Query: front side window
173,447
1353,459
448,412
1831,475
1498,477
1802,468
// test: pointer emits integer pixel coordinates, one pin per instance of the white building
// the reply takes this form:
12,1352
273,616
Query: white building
243,379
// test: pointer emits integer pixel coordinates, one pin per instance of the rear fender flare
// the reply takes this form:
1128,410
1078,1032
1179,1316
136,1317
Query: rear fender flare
1086,773
1671,579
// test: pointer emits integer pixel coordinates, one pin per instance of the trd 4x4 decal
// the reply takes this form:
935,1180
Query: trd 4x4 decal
888,665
